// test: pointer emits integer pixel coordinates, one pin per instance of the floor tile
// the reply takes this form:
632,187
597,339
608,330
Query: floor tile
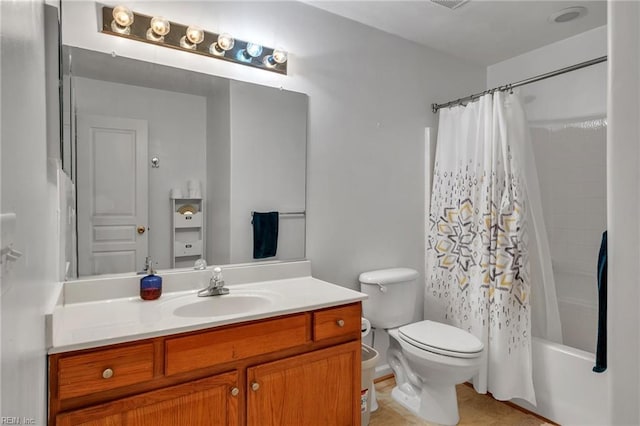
475,410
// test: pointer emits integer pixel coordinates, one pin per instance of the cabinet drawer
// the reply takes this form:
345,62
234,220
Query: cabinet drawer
187,220
234,343
108,369
334,322
188,248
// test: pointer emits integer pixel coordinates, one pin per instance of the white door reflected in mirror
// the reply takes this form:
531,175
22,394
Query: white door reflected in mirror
112,185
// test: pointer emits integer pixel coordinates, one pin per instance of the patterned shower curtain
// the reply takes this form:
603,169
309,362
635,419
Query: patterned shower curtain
478,275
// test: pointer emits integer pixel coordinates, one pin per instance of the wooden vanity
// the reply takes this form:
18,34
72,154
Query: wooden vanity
297,369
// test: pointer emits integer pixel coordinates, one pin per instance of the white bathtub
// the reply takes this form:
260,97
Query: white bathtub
567,391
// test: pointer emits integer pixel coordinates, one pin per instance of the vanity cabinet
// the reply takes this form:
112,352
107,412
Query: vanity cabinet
299,369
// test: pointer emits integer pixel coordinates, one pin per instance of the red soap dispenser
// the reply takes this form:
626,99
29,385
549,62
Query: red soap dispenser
151,285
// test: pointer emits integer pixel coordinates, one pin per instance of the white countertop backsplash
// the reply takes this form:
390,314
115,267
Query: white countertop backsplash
107,310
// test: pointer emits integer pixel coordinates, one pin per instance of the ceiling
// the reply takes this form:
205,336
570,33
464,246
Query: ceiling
481,31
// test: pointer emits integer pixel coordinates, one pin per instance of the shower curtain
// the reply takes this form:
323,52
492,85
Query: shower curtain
484,222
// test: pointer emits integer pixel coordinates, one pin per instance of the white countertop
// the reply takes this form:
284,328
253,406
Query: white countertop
88,324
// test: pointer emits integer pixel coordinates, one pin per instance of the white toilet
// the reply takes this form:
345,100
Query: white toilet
428,358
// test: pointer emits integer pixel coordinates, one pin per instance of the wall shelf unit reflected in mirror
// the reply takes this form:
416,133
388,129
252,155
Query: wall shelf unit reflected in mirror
188,228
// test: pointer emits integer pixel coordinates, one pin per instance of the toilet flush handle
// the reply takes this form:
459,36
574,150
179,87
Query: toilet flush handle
382,288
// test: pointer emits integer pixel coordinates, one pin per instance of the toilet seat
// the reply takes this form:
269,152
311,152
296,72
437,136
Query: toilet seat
441,339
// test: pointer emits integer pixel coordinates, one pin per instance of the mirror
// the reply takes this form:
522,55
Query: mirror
170,163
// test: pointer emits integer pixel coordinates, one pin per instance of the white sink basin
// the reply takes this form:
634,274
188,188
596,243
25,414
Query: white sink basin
228,304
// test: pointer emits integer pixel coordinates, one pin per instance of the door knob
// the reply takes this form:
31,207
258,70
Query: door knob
141,229
235,391
340,323
255,386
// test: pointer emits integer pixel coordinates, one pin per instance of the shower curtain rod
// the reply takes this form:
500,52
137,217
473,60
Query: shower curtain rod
436,107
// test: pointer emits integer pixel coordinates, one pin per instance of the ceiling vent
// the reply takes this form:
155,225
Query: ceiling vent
450,4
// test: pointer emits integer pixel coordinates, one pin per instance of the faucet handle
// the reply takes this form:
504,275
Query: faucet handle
216,285
216,278
200,264
217,274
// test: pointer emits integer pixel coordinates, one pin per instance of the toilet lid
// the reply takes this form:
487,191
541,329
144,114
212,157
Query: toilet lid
441,339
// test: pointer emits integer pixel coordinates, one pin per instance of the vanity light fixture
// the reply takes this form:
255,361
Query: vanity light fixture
225,42
159,28
123,22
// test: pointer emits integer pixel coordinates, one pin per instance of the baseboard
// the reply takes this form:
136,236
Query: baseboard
383,378
382,371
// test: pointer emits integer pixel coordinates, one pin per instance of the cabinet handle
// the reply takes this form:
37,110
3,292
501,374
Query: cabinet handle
235,391
340,323
107,373
255,386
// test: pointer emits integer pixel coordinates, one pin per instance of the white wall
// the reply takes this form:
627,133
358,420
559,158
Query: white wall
27,289
177,136
564,96
623,210
218,176
268,153
369,102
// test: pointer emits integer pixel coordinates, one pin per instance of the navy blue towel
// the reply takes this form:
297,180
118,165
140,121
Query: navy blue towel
601,347
265,234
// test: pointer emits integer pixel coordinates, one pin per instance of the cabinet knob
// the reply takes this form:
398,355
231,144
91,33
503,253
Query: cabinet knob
235,391
340,323
107,373
255,386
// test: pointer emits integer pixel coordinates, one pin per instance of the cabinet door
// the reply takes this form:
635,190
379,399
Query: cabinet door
206,402
321,388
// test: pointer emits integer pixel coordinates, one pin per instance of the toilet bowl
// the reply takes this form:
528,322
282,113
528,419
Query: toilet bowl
428,358
426,380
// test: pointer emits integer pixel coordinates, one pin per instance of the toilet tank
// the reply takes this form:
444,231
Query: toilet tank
392,296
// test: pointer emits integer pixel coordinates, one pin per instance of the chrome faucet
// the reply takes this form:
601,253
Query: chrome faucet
216,285
147,262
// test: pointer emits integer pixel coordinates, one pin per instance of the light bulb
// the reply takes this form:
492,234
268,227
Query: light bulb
194,36
225,42
122,20
278,56
123,16
159,28
253,50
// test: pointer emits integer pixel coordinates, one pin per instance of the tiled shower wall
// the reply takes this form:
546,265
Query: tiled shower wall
571,161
